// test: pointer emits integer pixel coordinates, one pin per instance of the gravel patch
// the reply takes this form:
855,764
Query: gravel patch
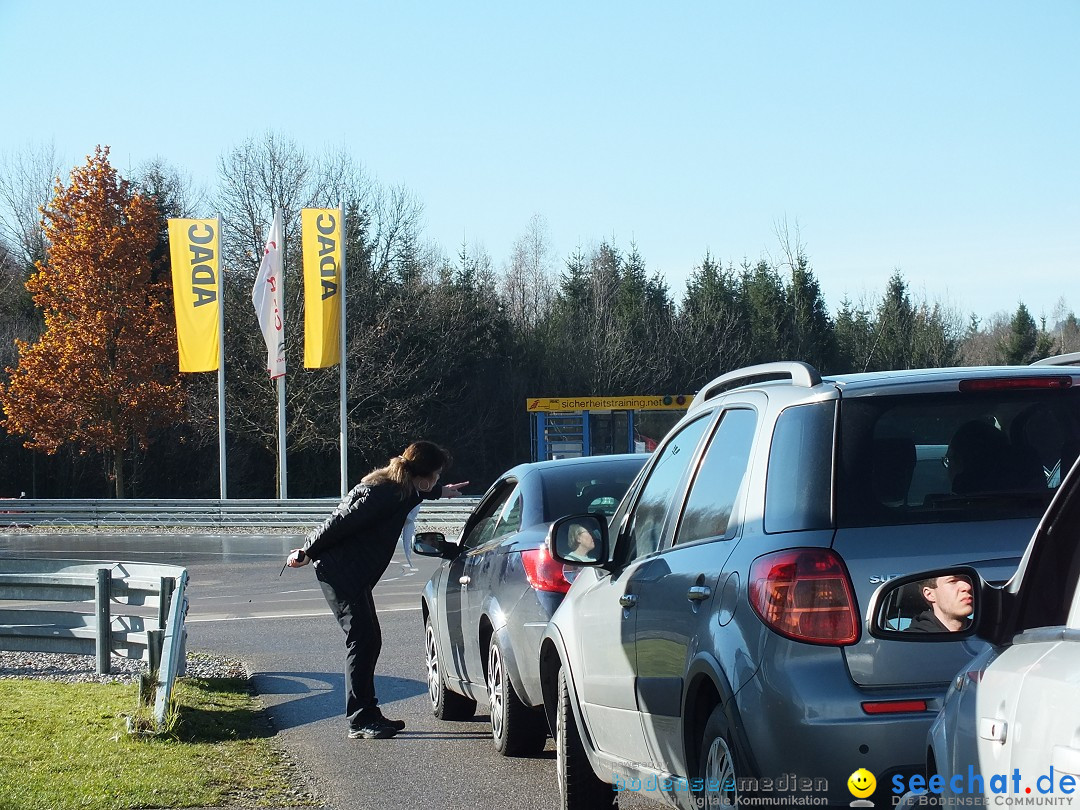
73,668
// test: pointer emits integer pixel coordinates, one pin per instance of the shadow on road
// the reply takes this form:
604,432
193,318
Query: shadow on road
315,696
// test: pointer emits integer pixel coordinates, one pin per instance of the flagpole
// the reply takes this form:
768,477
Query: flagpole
283,480
343,414
282,473
221,371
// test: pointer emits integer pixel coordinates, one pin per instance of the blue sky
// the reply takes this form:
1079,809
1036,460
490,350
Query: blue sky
937,138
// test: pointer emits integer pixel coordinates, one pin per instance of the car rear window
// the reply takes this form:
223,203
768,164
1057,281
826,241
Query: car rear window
582,488
963,456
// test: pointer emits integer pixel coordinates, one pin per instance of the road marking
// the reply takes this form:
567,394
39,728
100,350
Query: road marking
190,620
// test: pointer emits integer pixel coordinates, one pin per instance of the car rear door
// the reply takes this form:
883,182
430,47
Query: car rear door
459,643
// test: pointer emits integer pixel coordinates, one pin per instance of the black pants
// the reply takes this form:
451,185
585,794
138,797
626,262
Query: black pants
363,642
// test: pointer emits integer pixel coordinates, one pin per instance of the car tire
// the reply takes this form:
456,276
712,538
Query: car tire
720,764
445,705
579,787
517,729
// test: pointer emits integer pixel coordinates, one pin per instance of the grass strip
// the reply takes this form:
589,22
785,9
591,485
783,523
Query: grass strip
66,746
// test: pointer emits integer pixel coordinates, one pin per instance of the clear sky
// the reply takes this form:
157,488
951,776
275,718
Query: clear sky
937,138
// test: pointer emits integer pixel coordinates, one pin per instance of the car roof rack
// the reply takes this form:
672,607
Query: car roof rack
798,372
1070,359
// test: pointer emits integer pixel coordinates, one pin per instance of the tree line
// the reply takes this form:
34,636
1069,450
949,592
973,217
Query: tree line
443,347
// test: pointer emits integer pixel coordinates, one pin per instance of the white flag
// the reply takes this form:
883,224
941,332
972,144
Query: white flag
266,295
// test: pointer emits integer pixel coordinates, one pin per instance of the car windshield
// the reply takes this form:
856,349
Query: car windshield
953,457
580,488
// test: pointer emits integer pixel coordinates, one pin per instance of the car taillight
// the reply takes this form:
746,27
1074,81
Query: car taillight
1014,383
805,594
543,572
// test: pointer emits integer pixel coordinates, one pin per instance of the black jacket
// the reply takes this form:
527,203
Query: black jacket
354,546
927,622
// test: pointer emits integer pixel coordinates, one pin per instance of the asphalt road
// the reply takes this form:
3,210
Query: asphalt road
282,629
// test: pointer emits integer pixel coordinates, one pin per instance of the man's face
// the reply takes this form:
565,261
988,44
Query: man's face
951,599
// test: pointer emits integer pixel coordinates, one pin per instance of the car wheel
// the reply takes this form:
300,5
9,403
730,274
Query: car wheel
445,705
720,767
517,729
579,787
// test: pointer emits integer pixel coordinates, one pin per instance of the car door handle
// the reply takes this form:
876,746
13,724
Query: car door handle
699,593
628,600
993,729
464,580
1066,759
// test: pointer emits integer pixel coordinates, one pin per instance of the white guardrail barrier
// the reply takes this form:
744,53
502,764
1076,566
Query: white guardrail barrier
150,628
301,513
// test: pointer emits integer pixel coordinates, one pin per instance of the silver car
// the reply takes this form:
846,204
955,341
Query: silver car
717,649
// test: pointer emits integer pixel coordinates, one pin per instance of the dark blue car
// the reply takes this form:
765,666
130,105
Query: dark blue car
486,607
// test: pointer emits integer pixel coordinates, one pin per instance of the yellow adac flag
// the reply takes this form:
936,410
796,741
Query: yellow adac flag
322,235
193,246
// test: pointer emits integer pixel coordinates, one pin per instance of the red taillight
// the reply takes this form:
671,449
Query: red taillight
894,706
544,573
1014,383
805,594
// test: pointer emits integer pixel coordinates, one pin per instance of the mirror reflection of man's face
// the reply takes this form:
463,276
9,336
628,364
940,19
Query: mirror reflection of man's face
951,601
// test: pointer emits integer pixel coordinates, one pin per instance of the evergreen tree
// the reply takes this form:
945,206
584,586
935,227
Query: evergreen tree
810,333
1020,346
711,329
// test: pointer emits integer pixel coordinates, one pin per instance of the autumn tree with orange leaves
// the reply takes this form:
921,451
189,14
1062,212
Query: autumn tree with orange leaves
103,376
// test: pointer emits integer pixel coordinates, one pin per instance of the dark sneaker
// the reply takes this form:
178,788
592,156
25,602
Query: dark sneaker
374,730
397,725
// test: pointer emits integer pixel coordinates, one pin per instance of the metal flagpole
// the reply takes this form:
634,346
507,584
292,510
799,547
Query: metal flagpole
221,368
283,481
343,415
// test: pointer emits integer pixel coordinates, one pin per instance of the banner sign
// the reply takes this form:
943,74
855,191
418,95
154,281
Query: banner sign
322,235
193,247
642,403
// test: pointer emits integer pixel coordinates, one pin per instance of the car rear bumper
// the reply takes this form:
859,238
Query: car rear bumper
819,731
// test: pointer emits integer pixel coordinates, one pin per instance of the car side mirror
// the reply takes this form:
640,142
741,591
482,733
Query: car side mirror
433,544
940,605
579,539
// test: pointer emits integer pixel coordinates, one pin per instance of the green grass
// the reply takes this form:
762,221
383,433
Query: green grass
66,746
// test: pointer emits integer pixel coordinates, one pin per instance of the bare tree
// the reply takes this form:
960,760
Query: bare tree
176,193
28,180
527,286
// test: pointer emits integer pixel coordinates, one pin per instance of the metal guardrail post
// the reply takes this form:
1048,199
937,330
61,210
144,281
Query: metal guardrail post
155,641
168,584
104,622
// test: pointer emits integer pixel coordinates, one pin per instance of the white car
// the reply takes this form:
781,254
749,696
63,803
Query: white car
1009,730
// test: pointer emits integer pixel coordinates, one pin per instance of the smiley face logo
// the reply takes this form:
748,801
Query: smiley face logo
861,783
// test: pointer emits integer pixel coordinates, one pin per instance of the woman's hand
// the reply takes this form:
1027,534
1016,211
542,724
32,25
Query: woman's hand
453,490
297,558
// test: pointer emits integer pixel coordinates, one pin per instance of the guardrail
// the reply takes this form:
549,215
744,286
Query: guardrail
301,513
158,638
